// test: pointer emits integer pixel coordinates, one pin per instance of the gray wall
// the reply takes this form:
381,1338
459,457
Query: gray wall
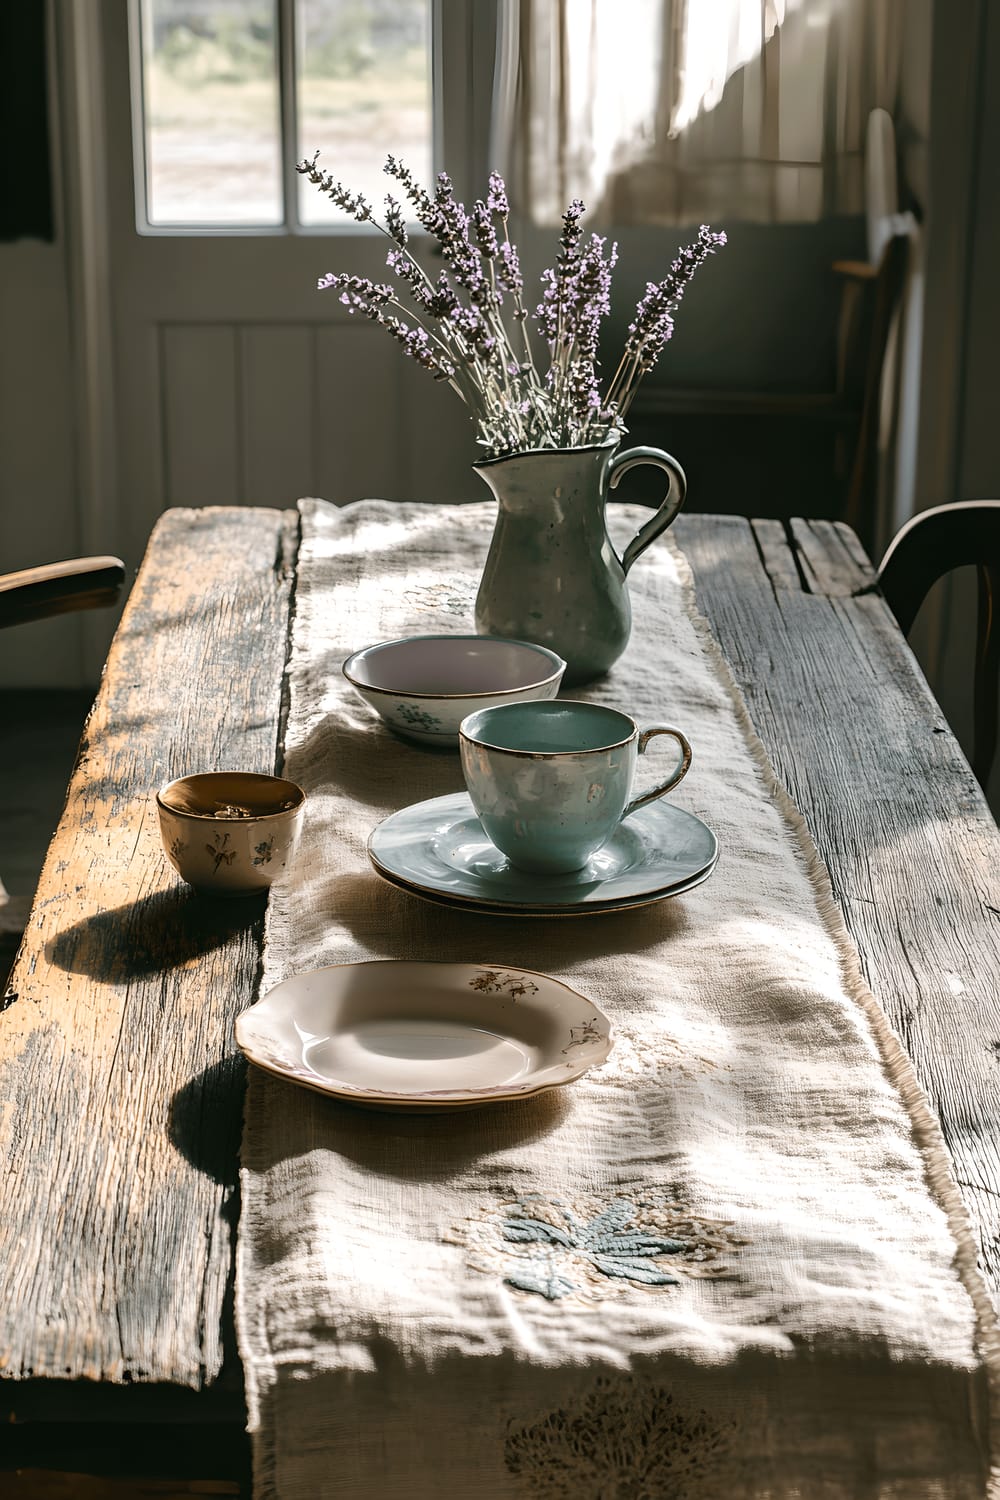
38,512
913,125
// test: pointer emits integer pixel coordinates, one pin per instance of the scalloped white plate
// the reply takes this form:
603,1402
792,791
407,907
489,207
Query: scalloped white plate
396,1034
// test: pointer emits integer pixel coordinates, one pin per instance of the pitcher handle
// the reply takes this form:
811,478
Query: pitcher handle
671,504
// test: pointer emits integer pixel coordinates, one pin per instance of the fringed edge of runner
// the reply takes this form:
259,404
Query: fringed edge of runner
256,1388
256,1109
896,1061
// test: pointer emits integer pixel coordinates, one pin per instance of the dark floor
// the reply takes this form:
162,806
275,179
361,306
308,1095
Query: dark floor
39,734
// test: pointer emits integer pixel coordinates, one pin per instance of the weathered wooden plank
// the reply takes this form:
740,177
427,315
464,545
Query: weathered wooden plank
851,542
120,1088
912,849
829,565
776,556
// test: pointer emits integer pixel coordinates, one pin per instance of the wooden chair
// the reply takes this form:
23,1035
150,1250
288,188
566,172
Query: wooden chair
59,588
872,297
846,420
32,594
963,534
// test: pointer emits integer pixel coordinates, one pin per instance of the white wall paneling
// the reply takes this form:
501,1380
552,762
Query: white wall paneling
279,405
199,396
357,412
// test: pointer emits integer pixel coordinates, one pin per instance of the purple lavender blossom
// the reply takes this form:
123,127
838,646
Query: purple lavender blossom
395,221
592,293
443,301
416,343
486,235
451,230
354,204
417,195
496,198
547,311
469,322
654,310
357,292
402,265
576,300
569,241
508,269
554,312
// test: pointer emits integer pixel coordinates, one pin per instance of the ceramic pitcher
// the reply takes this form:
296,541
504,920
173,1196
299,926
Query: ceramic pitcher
552,575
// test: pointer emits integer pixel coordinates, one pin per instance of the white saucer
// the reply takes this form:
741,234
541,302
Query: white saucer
392,1034
438,850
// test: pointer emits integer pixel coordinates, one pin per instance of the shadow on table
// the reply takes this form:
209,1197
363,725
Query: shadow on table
425,1146
205,1123
158,933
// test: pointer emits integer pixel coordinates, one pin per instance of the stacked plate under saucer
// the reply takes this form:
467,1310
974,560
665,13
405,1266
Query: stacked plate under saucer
437,850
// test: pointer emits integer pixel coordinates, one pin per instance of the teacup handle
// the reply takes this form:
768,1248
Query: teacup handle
680,770
672,501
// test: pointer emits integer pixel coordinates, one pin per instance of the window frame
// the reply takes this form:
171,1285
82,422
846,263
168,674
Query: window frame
463,47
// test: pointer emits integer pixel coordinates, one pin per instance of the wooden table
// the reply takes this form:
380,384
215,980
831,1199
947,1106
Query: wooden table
121,1096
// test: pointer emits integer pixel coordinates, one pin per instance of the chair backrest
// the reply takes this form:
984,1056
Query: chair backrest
869,336
932,544
33,594
58,588
881,182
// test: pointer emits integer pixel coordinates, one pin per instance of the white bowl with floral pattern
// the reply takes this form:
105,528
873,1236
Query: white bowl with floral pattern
423,686
230,833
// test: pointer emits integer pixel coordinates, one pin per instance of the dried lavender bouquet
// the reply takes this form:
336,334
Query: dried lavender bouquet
469,327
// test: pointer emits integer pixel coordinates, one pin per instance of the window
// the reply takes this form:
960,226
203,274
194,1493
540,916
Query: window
233,92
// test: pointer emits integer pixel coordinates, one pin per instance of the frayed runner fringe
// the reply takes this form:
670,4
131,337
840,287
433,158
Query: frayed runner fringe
896,1061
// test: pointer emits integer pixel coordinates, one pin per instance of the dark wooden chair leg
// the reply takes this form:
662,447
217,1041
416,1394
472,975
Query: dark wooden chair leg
987,680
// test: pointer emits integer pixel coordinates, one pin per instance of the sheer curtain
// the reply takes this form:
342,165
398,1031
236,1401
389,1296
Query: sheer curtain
675,111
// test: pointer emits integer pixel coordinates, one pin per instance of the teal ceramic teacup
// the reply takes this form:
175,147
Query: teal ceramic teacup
551,781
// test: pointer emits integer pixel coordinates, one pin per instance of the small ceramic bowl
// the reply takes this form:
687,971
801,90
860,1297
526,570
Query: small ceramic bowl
424,685
230,832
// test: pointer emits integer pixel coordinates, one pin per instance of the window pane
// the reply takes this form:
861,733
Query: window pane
364,92
212,117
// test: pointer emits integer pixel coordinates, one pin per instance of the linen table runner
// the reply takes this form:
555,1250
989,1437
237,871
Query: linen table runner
730,1262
